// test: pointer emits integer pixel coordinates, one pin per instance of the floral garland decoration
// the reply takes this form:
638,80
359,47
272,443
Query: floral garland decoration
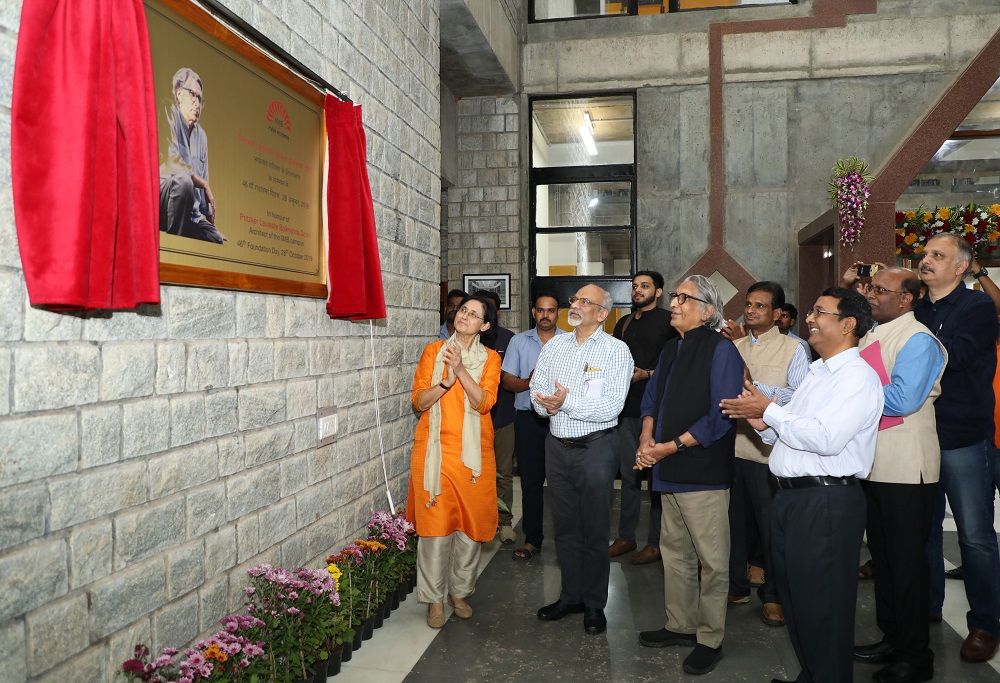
849,193
979,225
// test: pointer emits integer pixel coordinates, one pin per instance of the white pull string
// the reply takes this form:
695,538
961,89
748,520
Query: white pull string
378,422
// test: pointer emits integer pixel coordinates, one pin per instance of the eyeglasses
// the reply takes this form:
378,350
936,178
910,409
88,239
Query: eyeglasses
880,290
584,301
817,312
682,298
465,310
193,95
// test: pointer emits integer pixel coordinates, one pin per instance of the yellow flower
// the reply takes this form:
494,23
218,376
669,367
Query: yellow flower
993,236
910,215
335,572
898,250
911,238
944,213
928,217
918,249
995,209
213,652
970,228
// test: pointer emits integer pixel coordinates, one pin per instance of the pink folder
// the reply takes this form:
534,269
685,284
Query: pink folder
872,354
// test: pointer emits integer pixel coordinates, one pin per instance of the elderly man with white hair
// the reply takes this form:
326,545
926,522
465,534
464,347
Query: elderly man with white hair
580,382
690,445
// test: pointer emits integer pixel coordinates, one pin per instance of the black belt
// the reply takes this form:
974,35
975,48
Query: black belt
582,441
783,483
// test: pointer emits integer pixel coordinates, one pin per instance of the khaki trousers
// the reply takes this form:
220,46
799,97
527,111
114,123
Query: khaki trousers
695,527
446,564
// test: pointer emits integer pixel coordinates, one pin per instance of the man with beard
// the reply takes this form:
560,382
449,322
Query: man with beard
580,383
645,332
187,205
965,322
454,300
530,429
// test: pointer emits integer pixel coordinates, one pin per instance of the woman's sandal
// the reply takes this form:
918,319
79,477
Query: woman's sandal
525,553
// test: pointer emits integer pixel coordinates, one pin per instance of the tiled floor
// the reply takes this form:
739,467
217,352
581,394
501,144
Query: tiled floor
505,641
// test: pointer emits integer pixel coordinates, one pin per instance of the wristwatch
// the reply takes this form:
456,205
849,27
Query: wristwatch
680,445
981,273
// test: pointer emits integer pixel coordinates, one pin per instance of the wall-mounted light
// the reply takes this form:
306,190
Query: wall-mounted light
593,202
587,133
827,253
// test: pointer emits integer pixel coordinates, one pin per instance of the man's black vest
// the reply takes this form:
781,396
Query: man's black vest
684,400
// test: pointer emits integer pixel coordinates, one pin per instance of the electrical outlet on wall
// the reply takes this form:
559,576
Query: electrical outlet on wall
328,424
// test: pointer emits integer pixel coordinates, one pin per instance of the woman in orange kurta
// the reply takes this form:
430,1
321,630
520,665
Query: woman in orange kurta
453,486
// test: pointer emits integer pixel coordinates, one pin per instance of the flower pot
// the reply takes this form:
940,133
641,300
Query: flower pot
368,628
319,673
333,665
387,608
394,601
347,653
403,591
378,616
358,632
412,583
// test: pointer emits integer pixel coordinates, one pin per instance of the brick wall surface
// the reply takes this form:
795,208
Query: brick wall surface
484,209
148,457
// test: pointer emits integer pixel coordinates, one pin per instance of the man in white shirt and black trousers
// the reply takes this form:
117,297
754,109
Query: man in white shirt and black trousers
824,443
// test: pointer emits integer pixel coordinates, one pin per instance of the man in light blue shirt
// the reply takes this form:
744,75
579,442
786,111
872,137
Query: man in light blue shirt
580,382
530,429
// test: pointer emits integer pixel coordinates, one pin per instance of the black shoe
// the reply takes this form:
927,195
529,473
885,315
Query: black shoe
665,637
955,573
702,659
594,621
904,672
876,653
557,610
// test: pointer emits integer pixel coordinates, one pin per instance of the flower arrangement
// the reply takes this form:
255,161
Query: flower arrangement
978,225
296,617
849,193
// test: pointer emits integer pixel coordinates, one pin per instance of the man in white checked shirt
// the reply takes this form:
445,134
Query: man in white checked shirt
580,382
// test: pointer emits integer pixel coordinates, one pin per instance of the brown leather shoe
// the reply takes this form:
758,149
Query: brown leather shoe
772,614
755,575
980,646
738,599
647,555
620,547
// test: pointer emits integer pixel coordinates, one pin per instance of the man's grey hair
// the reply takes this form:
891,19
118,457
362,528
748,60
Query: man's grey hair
607,301
710,293
182,76
963,248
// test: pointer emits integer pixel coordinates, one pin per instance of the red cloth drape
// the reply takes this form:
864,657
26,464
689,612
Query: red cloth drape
355,272
83,154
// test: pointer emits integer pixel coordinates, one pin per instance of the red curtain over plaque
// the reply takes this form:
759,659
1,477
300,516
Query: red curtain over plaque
84,156
355,272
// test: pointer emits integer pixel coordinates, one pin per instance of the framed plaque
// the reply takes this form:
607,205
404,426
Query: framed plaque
242,144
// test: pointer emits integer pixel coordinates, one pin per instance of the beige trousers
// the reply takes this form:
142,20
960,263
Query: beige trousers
446,564
695,526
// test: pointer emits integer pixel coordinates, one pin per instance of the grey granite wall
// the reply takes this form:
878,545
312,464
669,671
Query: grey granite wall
148,458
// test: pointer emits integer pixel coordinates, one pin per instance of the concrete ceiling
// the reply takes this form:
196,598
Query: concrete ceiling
469,67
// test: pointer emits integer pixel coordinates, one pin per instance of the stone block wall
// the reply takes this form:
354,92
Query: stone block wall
148,457
484,209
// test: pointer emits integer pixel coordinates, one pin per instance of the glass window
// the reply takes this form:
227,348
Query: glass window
548,10
565,254
966,168
583,132
583,205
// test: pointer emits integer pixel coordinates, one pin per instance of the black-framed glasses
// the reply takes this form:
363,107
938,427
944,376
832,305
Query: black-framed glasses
193,95
682,297
880,290
817,312
465,310
584,301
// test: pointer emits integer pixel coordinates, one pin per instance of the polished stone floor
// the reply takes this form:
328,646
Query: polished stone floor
505,641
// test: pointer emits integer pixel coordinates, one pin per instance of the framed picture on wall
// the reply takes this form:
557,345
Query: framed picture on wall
489,282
